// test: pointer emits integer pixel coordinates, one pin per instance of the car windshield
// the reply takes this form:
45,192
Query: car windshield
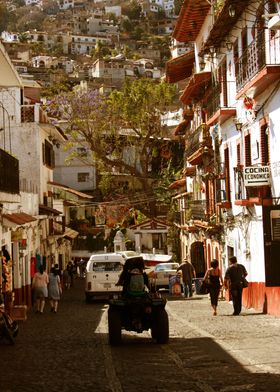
166,266
106,266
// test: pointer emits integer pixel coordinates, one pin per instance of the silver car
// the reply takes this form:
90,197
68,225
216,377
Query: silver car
161,274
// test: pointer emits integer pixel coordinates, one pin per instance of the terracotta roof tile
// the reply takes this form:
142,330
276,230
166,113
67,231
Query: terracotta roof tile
19,218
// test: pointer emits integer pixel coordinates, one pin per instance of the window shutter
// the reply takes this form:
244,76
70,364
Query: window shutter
44,153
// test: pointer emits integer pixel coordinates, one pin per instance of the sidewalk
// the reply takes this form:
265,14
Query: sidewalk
251,338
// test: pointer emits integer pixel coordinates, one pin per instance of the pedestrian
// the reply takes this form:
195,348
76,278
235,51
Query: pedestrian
215,279
54,289
81,268
71,270
234,278
57,270
188,275
66,278
40,288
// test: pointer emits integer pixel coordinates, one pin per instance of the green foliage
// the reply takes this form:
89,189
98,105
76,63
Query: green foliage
121,131
177,6
4,17
133,10
127,26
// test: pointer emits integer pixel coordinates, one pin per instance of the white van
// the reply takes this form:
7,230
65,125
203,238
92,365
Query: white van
102,273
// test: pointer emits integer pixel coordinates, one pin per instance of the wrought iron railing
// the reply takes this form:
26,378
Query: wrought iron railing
256,56
198,209
27,113
197,139
214,101
9,173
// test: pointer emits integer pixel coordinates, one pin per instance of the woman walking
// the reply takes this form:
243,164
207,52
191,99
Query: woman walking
214,276
40,288
54,289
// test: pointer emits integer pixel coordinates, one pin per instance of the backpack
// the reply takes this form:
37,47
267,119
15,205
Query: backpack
136,282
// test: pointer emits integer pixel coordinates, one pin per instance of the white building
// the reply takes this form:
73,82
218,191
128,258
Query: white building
83,44
29,227
229,204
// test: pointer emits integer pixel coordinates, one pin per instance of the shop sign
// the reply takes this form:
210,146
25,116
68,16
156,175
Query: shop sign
256,175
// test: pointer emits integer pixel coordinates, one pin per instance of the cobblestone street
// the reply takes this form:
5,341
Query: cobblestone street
69,351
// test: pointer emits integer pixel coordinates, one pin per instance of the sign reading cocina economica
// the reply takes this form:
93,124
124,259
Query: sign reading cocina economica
256,175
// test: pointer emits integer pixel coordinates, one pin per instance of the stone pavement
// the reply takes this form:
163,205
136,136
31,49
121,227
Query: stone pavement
252,338
69,351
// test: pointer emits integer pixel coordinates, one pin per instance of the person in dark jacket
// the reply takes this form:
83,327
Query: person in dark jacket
233,281
189,274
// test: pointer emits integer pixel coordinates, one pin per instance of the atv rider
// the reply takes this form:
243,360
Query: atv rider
133,278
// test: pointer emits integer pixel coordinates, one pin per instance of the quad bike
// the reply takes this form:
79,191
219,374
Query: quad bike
139,313
8,326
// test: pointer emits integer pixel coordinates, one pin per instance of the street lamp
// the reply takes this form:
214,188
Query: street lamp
231,11
202,63
238,125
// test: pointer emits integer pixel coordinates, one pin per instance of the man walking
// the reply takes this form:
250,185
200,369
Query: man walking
233,281
188,275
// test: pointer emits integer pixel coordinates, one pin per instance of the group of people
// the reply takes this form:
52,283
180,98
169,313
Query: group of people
233,282
50,285
47,286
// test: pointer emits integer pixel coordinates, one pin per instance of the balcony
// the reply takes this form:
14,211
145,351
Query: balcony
222,23
27,113
217,110
259,66
199,145
9,173
33,113
198,209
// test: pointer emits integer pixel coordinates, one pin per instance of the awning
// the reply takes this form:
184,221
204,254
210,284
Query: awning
196,87
178,184
190,171
17,219
48,210
70,233
223,24
180,67
181,128
70,190
190,20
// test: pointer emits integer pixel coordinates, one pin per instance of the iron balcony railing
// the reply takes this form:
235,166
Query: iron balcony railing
214,101
198,209
256,57
9,173
198,138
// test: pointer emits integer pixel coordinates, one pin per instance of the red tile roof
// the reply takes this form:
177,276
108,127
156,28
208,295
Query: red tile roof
19,218
180,67
191,19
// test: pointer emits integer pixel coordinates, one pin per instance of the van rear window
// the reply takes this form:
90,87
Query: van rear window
106,266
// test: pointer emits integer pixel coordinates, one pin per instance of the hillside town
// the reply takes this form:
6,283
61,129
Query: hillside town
175,144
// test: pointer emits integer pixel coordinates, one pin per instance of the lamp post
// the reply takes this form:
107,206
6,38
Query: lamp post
238,125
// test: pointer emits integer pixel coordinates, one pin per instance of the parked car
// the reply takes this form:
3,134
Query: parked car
160,275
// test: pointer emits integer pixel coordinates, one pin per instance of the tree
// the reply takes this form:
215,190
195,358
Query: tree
133,10
177,6
4,17
123,132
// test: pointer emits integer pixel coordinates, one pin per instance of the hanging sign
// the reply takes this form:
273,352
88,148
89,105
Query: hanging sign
256,175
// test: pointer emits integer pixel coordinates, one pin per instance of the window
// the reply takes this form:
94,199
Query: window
48,154
83,177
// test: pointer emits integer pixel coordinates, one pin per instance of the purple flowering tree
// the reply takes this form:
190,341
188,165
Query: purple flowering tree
122,131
